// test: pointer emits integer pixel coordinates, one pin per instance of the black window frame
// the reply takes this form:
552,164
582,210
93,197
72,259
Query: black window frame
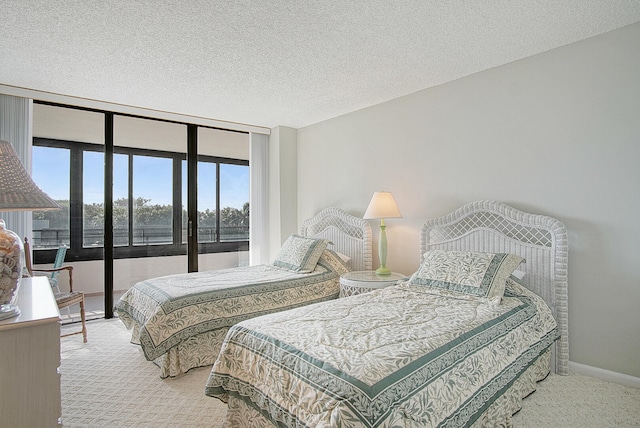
76,250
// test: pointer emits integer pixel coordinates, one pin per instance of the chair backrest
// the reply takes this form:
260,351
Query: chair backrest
59,260
60,255
27,257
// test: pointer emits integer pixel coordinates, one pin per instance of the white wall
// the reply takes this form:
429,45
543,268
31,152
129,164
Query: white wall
556,134
88,127
283,195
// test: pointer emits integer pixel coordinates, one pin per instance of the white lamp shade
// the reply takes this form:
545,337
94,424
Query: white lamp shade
382,205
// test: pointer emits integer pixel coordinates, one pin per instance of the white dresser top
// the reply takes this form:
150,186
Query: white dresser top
36,302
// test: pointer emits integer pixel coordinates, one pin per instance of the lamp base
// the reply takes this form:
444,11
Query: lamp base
11,263
383,270
8,311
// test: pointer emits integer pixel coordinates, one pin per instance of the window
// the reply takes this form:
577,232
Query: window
152,200
234,197
51,169
92,199
148,178
120,200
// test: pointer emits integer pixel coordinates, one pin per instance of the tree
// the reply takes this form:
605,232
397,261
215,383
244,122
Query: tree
57,219
145,216
245,214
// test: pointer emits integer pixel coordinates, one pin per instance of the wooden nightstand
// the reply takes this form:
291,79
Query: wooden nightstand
358,282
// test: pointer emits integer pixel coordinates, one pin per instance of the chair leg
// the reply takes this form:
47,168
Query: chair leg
84,326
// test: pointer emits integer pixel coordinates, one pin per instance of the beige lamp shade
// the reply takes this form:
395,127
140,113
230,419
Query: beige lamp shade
17,191
382,205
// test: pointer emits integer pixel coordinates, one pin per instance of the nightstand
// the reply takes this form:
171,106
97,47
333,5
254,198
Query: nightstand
362,281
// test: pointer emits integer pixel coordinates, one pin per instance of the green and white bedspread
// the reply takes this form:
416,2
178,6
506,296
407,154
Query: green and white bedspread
165,312
394,357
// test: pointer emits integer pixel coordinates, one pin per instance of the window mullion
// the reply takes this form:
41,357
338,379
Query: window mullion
76,223
108,215
192,198
177,201
218,213
130,198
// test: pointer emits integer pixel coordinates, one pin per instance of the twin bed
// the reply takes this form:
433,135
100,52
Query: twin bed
459,343
181,320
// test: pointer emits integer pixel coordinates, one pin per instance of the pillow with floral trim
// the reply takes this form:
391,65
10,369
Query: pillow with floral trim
466,275
300,254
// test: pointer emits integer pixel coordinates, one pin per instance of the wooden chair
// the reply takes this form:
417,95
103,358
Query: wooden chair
63,300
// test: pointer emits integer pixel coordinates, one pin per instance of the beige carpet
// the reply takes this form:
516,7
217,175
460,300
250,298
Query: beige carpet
577,401
108,383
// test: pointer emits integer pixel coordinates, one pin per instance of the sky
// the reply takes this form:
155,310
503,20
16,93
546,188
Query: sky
152,179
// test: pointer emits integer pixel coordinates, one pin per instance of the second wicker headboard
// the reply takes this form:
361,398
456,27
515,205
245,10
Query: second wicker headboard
350,235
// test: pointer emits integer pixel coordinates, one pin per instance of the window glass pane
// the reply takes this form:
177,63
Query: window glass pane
51,172
206,202
183,193
234,202
152,200
93,199
120,199
93,195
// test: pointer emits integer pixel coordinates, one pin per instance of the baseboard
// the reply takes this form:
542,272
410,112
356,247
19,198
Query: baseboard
602,374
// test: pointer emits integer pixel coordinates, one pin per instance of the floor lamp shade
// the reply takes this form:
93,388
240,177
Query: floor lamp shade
382,206
17,193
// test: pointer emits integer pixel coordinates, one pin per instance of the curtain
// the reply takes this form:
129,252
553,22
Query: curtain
15,127
258,199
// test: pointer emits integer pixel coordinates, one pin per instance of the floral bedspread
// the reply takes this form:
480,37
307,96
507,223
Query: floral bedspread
163,312
391,357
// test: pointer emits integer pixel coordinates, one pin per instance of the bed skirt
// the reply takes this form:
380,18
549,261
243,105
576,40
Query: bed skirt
197,351
498,414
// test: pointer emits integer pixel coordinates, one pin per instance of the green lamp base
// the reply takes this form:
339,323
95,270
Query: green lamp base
383,270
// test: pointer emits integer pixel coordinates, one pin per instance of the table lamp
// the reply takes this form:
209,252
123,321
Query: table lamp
382,206
17,193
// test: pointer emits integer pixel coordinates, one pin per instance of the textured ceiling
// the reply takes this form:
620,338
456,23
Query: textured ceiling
278,62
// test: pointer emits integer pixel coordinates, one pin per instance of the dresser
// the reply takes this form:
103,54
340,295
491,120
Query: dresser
30,358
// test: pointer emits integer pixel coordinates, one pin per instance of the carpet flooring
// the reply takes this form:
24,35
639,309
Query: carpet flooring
108,383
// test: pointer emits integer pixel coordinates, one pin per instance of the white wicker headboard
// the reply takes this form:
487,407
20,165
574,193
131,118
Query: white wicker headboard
495,227
350,235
